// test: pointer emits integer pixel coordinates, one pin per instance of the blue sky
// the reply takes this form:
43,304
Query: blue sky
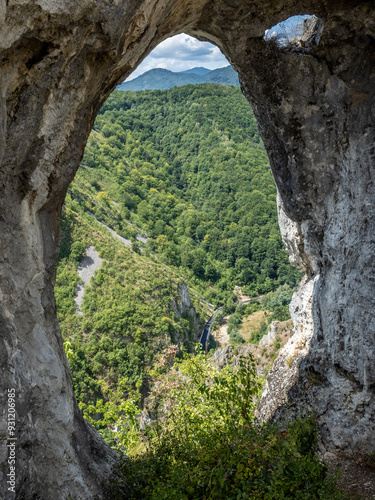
182,52
287,30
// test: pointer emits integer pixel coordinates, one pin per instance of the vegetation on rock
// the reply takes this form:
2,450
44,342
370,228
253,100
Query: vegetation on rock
205,442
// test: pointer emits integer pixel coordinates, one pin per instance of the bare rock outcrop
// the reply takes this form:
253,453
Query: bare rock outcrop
315,109
185,308
86,270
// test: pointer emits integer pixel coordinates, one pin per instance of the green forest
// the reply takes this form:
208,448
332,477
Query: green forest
206,443
182,175
129,313
187,165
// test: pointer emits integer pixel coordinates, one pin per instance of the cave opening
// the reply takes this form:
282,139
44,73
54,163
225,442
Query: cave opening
296,32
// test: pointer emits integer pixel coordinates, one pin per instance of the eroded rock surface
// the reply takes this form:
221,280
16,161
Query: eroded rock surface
315,108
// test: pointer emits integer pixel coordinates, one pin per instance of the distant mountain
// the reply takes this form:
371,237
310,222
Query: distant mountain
197,71
161,79
223,76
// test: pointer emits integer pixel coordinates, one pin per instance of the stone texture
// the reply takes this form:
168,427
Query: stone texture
285,371
186,307
272,333
315,109
86,270
263,354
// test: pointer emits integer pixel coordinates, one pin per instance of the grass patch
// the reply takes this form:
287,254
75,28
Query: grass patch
252,323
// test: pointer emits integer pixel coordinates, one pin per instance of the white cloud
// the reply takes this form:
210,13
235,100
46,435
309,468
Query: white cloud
182,52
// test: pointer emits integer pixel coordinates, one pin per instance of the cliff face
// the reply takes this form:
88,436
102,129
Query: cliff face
315,108
186,308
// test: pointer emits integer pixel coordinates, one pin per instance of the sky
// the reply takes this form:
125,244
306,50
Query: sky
182,52
287,30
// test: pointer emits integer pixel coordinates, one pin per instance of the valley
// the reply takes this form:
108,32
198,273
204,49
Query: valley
113,257
186,168
170,221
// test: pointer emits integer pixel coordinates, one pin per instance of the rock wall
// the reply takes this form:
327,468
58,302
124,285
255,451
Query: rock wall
186,307
315,108
324,169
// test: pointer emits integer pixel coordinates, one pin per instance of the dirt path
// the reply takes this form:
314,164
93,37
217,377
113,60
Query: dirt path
89,264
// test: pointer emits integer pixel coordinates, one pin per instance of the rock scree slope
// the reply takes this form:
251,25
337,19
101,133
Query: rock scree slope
86,270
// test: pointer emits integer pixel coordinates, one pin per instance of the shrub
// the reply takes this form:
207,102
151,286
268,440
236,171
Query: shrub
289,362
208,445
258,334
236,338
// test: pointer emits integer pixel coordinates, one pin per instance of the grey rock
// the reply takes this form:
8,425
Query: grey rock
86,270
271,334
186,307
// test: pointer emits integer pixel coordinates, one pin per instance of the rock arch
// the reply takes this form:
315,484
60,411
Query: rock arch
315,109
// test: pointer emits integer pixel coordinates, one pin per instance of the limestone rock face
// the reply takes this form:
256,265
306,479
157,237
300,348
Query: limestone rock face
275,329
315,109
186,307
285,372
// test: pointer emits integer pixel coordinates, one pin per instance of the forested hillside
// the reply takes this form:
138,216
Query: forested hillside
182,175
132,310
187,165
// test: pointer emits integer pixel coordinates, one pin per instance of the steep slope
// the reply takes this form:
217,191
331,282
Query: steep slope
315,107
161,195
133,307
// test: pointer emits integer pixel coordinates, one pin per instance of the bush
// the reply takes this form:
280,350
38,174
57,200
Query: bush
236,338
258,334
241,308
281,313
219,316
209,445
77,250
234,323
230,305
